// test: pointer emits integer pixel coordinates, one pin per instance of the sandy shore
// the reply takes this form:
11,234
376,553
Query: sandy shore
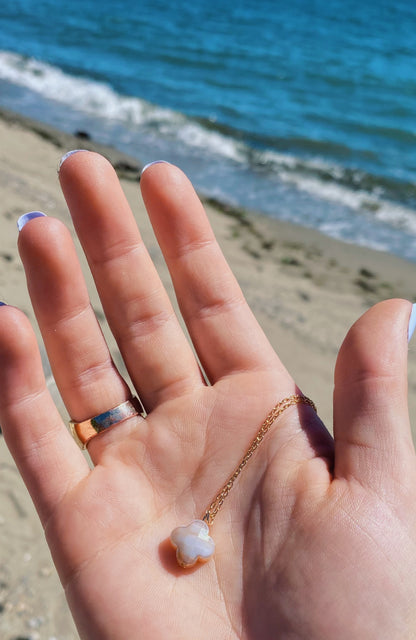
305,289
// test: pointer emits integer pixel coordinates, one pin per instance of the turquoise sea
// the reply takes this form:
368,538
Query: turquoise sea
304,110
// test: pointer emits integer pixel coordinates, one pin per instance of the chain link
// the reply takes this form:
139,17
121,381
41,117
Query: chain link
281,406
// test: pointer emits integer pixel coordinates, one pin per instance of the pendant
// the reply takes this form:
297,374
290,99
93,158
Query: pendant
192,543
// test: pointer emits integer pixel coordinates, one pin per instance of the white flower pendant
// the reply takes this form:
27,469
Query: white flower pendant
192,543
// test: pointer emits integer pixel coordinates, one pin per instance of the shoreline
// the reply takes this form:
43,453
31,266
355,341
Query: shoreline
306,290
128,168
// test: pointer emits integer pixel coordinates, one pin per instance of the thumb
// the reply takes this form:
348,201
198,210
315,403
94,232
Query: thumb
373,441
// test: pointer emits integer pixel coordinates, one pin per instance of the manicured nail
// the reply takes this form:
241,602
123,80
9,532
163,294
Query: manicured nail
70,153
3,304
24,219
152,163
412,323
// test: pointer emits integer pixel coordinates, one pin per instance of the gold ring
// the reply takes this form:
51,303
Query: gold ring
84,431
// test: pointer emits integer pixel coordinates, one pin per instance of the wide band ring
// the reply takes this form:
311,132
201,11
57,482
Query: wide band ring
84,431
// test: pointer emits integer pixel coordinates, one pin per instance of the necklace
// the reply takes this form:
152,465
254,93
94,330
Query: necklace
193,542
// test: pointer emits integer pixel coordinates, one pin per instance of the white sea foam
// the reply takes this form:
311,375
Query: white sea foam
304,175
82,94
99,99
358,200
196,136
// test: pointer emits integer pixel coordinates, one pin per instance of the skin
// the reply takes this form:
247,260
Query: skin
317,539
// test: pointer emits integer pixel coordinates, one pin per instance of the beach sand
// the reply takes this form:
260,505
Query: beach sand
305,289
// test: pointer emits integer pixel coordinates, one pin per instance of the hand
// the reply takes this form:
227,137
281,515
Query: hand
317,539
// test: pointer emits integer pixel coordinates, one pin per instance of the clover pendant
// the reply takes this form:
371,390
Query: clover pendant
192,543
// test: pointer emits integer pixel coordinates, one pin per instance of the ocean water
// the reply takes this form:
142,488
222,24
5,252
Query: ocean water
305,111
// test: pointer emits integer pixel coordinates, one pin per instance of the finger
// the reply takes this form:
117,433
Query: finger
50,462
373,441
224,331
157,355
86,377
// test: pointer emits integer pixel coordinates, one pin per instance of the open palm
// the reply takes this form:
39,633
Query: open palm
316,540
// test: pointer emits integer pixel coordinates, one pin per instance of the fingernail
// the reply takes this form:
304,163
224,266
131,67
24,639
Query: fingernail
412,323
3,304
70,153
152,163
24,219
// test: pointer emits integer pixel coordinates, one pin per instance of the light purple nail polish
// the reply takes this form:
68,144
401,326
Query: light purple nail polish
152,163
412,323
26,217
67,155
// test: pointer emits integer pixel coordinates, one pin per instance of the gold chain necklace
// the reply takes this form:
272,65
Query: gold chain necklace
193,542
